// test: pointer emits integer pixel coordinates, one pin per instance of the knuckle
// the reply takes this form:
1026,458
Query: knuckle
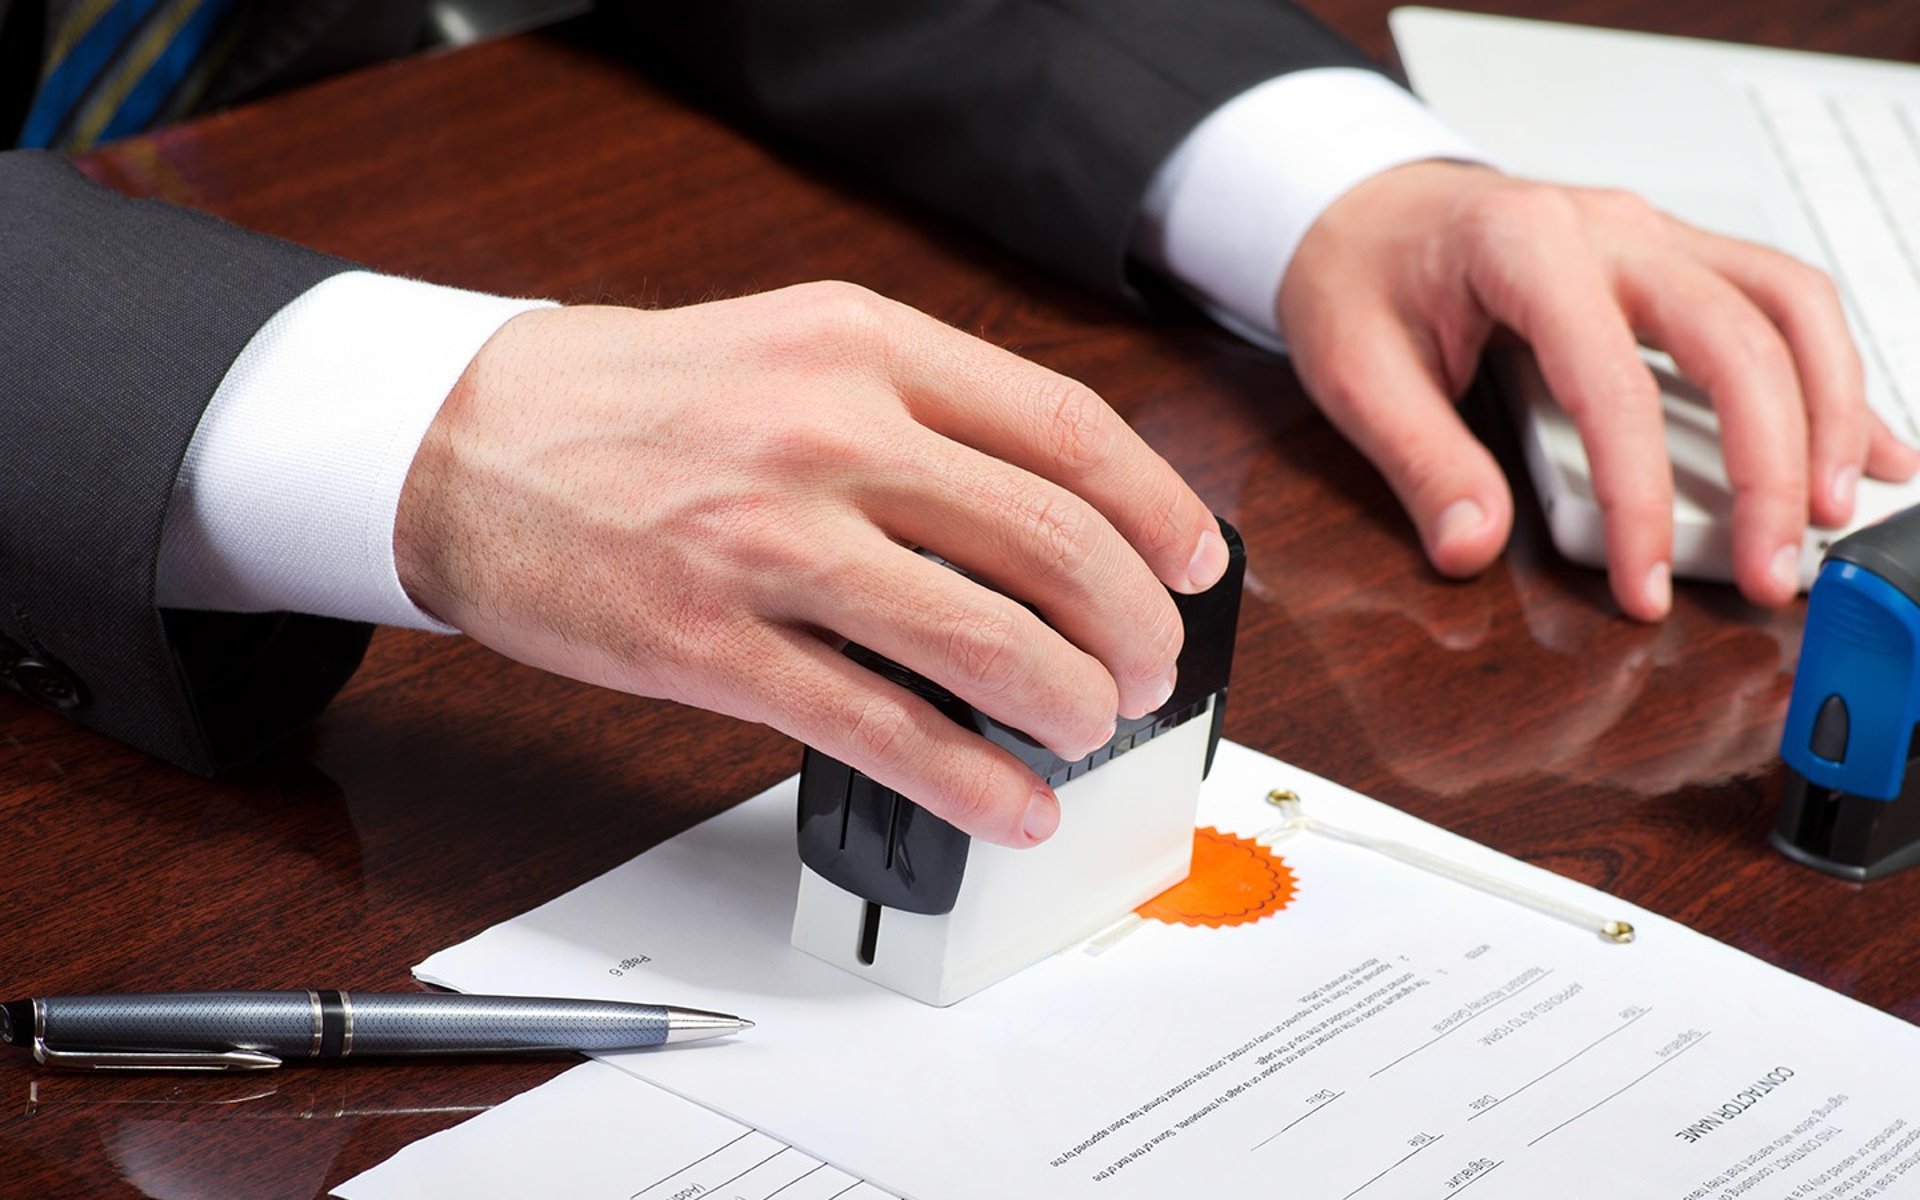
1788,489
1419,471
1062,533
1166,634
1810,281
838,295
1523,212
1636,518
1343,384
1746,361
1425,458
1758,342
973,788
882,733
1100,696
1163,525
982,653
1627,209
1625,389
837,313
1807,287
1640,503
1080,430
1646,498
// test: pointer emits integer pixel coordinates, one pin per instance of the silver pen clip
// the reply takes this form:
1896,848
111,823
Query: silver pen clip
152,1060
82,1059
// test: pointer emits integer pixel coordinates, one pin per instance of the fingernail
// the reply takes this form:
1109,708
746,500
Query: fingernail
1660,588
1043,814
1784,568
1209,562
1845,481
1458,520
1164,692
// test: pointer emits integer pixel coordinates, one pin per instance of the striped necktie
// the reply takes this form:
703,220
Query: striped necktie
116,67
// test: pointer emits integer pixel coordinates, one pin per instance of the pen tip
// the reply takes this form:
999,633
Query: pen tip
693,1025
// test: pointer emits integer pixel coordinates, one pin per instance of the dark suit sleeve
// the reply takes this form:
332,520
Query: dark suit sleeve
120,318
1039,122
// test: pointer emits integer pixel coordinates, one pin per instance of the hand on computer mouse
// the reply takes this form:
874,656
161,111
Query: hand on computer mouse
1396,289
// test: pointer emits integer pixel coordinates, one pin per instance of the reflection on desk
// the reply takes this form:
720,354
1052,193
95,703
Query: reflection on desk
460,789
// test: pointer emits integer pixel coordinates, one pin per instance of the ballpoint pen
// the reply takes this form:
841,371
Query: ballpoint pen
256,1030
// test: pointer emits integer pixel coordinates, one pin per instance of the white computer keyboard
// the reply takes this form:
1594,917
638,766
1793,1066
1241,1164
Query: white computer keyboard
1855,164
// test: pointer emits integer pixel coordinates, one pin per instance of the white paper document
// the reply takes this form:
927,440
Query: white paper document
1319,1022
597,1133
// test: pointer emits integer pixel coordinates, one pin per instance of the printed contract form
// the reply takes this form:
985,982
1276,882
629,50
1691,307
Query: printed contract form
1375,1032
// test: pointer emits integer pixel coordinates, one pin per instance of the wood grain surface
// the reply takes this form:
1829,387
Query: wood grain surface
449,788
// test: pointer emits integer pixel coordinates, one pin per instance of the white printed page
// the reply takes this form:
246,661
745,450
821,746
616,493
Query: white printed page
1321,1020
596,1133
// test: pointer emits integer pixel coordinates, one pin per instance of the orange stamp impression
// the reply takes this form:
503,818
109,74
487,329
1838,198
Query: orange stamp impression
1235,881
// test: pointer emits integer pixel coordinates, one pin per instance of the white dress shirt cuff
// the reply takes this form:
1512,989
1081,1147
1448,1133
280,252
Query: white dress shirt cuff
1228,208
287,495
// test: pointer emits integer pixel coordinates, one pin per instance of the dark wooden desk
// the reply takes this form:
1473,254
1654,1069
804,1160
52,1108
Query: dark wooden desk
449,789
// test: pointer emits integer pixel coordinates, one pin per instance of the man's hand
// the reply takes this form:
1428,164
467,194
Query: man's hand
704,504
1395,290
